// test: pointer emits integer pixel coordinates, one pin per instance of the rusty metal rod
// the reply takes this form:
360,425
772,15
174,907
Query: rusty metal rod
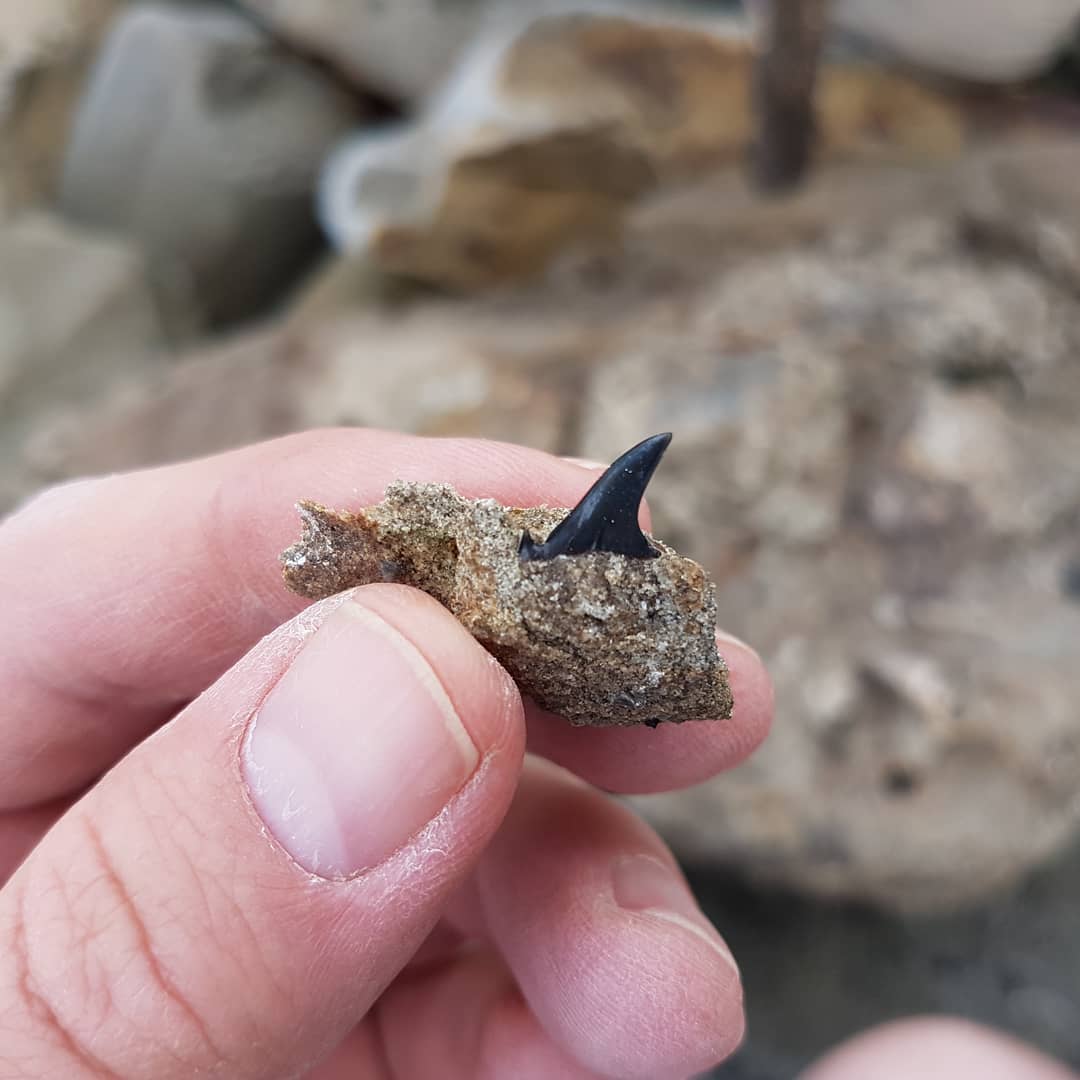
789,52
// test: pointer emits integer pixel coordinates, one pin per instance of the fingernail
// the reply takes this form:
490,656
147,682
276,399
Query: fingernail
356,749
646,884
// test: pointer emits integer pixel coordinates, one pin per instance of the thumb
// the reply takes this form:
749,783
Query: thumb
234,895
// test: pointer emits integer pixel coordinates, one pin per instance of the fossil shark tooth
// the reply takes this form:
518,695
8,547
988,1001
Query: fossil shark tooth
606,519
599,639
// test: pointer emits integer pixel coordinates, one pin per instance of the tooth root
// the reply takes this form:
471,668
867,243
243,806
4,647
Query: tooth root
606,519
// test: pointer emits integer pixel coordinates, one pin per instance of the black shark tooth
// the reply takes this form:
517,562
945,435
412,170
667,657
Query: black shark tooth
606,519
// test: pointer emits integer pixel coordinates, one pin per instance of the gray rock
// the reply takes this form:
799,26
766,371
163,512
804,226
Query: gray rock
201,139
45,48
985,40
874,393
402,49
77,318
813,973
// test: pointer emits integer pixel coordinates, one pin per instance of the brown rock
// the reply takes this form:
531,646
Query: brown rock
545,138
600,639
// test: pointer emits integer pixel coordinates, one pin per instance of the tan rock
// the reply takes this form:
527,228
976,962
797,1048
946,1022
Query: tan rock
544,139
446,370
77,318
600,639
984,40
45,49
406,49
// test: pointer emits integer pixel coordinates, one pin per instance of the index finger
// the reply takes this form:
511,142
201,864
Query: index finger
128,595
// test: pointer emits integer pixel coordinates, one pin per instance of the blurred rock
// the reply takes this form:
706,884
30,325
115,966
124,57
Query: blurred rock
545,137
213,399
984,40
874,391
439,369
201,139
76,319
1018,200
446,370
402,49
45,47
878,456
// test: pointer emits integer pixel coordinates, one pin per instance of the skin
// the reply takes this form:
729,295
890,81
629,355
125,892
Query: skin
935,1048
152,923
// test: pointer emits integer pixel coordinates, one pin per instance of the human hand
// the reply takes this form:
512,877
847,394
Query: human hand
318,853
935,1048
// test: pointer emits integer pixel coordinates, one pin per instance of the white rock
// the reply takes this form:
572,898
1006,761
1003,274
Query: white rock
401,49
986,40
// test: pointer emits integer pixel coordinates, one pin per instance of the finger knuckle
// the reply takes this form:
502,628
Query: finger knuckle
90,976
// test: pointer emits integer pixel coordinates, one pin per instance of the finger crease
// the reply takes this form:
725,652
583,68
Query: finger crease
146,949
40,1008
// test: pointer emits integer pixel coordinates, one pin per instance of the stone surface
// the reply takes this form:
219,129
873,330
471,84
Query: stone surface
790,41
436,369
877,461
77,318
402,49
205,401
874,390
599,639
985,40
45,47
405,49
545,137
201,139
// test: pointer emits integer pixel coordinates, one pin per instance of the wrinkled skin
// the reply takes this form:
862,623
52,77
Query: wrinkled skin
202,875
